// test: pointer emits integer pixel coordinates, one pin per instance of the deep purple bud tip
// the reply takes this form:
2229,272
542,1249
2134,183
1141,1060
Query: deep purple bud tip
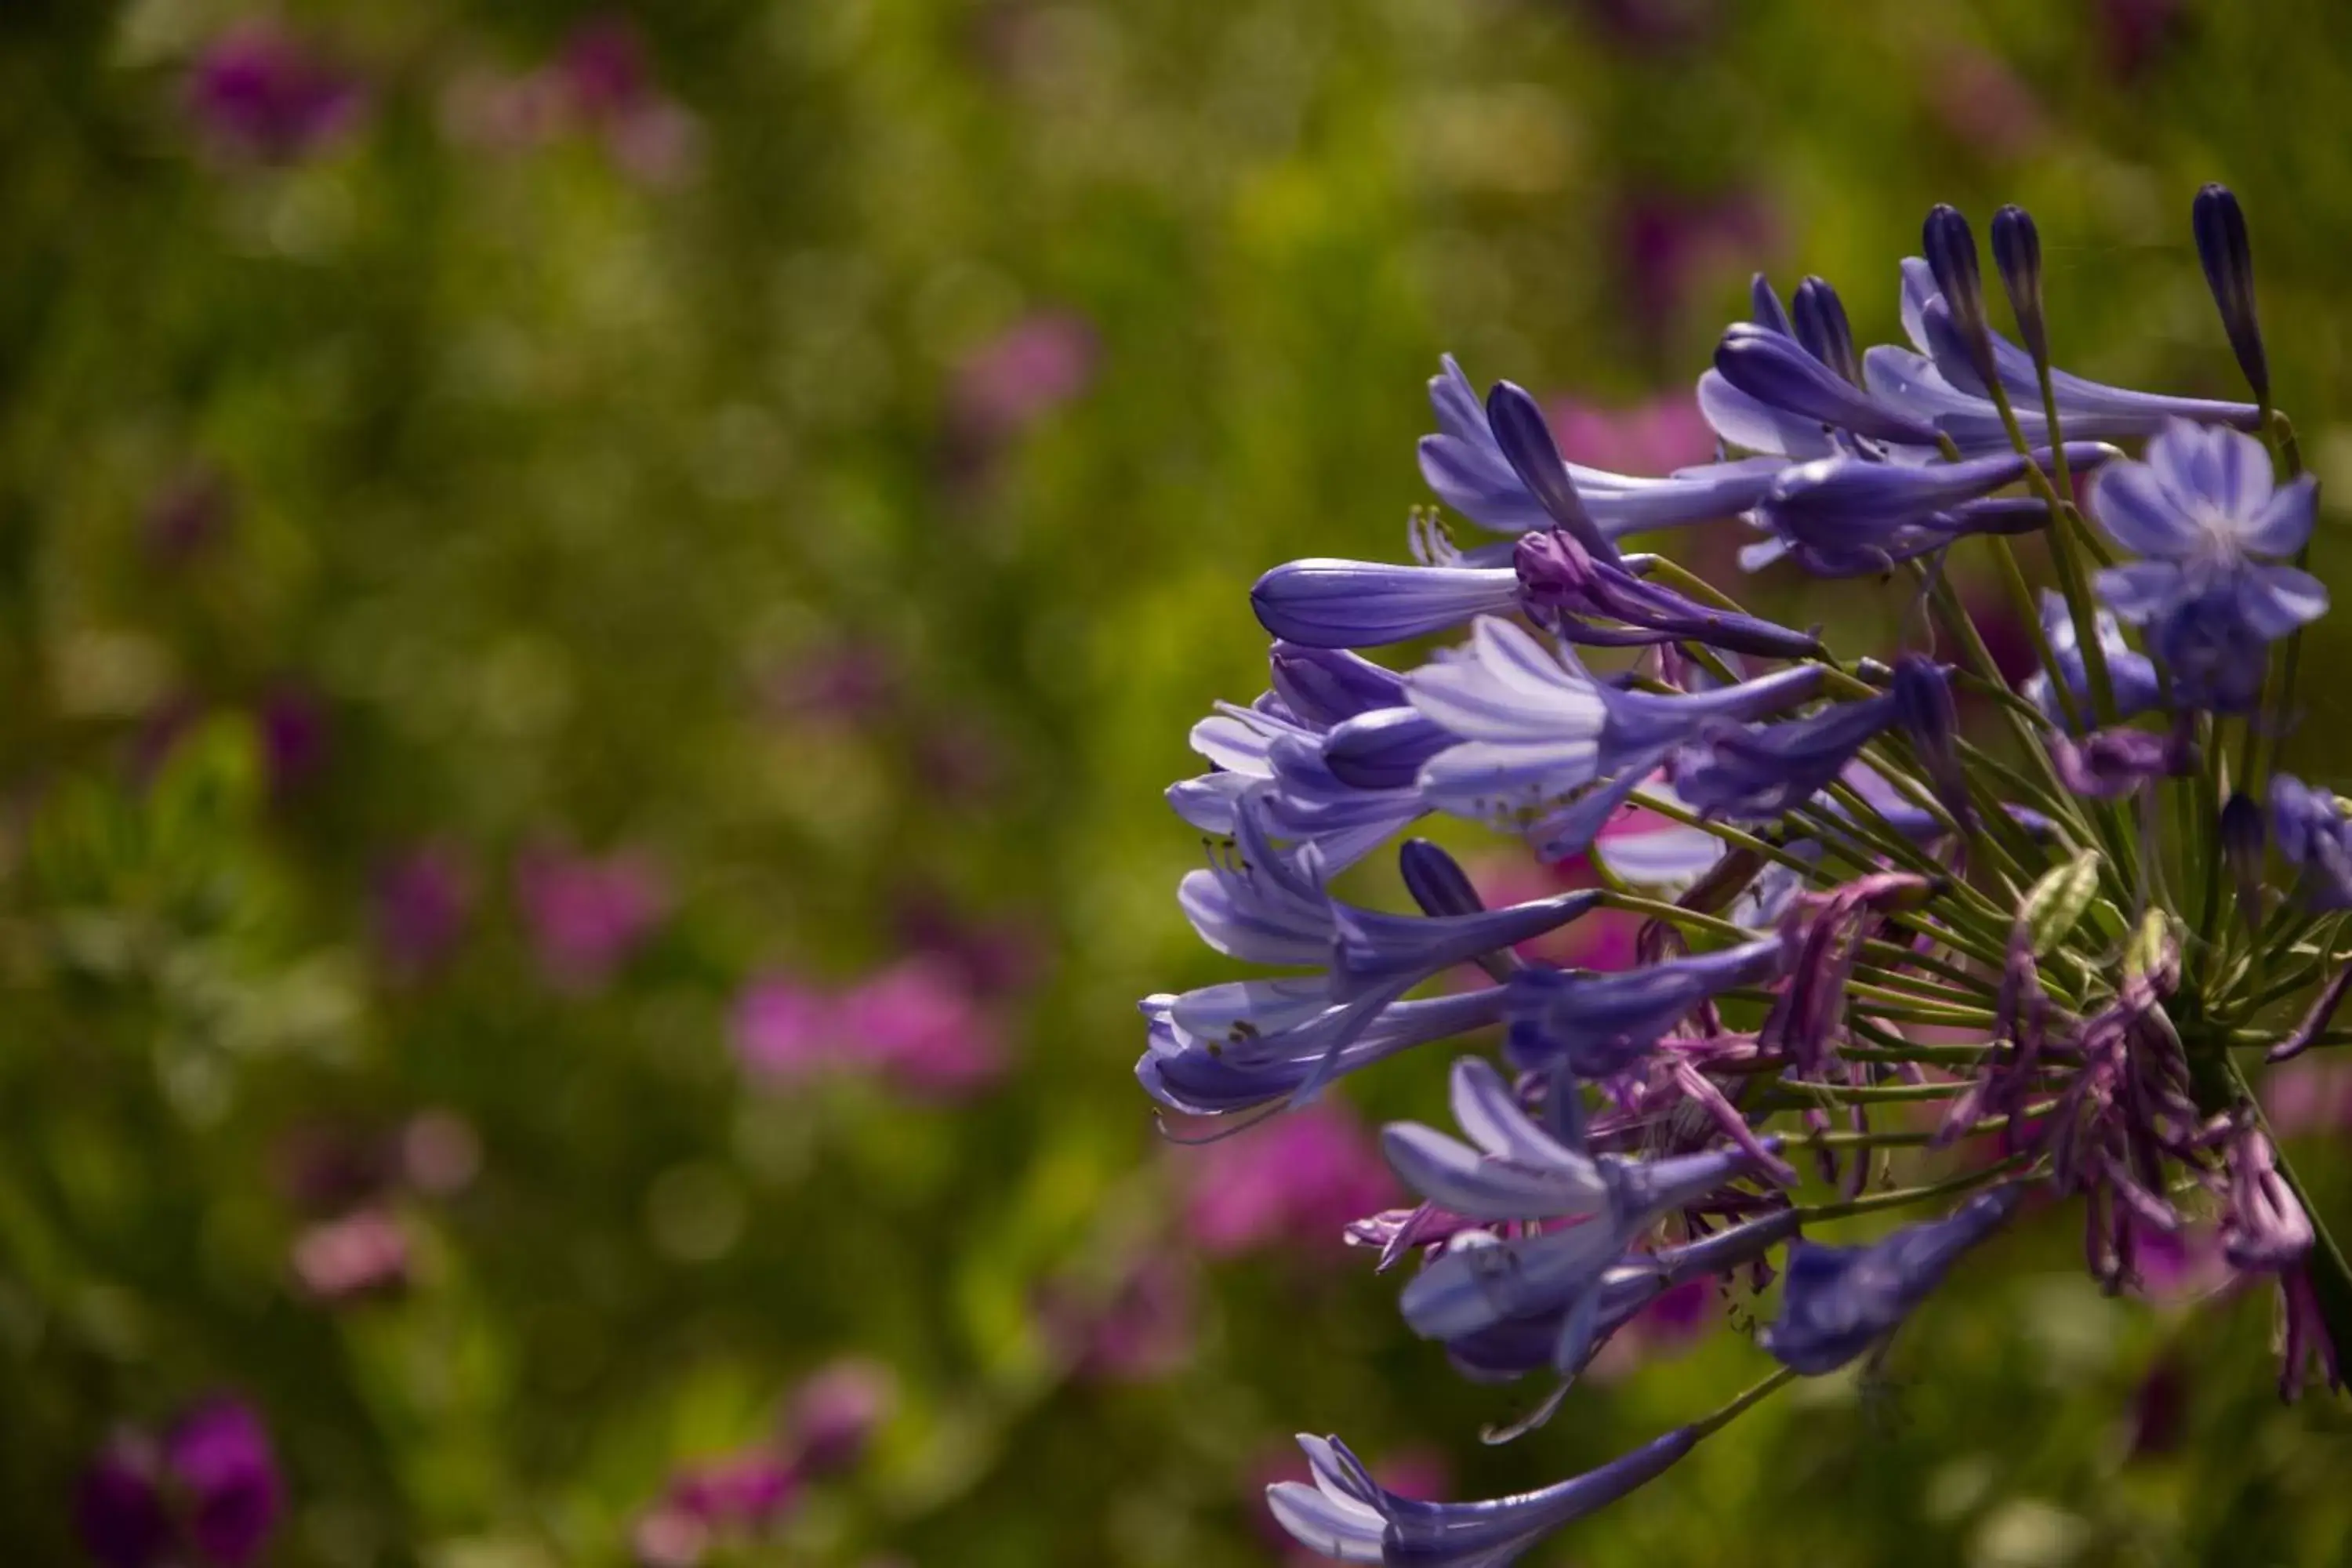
2220,228
1436,879
2017,253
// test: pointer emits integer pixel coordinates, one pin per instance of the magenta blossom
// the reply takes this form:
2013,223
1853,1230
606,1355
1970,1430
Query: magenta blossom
1304,1178
422,901
361,1256
918,1023
208,1493
1025,373
260,94
587,917
1656,437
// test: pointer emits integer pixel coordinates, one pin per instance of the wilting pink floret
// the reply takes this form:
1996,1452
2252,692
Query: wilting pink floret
1302,1178
587,917
1025,373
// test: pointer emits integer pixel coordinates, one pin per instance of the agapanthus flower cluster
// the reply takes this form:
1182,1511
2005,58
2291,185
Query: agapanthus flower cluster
2061,938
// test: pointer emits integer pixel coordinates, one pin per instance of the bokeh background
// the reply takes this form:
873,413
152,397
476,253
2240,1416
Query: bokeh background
594,605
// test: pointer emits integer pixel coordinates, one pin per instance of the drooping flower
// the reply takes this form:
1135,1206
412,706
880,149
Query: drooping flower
1838,1301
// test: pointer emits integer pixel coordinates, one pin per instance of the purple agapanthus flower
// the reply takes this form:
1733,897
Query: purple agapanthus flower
1851,515
1547,748
1467,465
2315,837
1349,1516
1602,1023
1761,771
2131,676
1837,1301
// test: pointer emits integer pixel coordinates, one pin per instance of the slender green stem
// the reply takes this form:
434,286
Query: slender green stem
1904,1196
1737,1407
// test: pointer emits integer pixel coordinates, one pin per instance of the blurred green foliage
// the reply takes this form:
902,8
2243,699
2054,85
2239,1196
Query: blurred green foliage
496,477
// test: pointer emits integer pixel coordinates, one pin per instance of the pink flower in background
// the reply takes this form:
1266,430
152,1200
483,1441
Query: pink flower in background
295,734
835,1413
188,516
1144,1330
2308,1096
258,93
587,917
1656,437
1983,102
918,1023
600,83
361,1256
1023,373
208,1493
1301,1177
1666,244
422,901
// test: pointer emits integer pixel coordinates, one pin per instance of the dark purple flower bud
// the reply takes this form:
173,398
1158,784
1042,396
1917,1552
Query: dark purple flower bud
219,1457
1383,749
1436,879
1951,247
120,1505
1332,603
2017,253
2108,765
1924,706
837,1411
1764,306
1822,328
1323,687
1525,438
2220,228
1837,1301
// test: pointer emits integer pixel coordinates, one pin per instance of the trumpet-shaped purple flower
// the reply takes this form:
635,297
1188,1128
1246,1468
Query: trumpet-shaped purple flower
1564,586
1940,384
1284,765
1849,516
1603,1023
1466,463
1757,772
1547,748
1350,1518
1518,1170
2315,838
1837,1301
1210,1059
2130,675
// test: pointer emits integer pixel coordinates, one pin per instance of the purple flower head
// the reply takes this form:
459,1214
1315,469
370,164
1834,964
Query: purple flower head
218,1457
355,1257
1518,1170
1600,1025
422,902
118,1505
2315,838
1349,1517
261,94
1301,1179
2208,522
1025,373
1546,748
835,1413
1467,465
587,917
2017,254
2219,225
2130,674
1837,1301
